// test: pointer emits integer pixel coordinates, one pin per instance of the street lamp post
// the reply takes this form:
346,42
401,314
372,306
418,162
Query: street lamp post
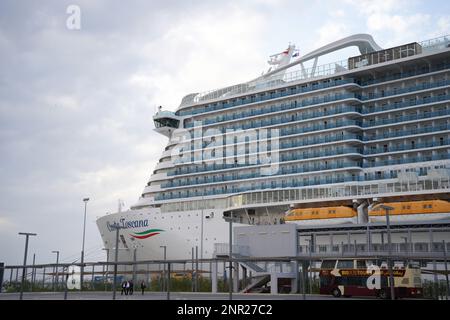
446,270
85,200
164,283
57,266
230,276
105,274
27,235
389,259
116,257
310,265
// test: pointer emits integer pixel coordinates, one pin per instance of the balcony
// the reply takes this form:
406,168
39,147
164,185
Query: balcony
389,162
270,110
407,147
266,96
399,120
417,102
423,86
403,133
261,98
404,75
290,131
283,107
318,166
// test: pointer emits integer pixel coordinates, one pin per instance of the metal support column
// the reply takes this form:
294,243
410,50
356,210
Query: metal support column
230,254
43,279
192,270
214,276
435,275
447,291
168,281
2,272
33,272
134,266
236,277
196,269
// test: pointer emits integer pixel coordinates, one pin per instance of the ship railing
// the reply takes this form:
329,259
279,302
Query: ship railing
343,191
436,43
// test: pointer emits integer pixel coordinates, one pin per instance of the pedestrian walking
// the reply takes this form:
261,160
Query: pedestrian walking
131,287
143,286
127,288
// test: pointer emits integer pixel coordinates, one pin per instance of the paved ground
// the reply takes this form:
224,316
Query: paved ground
158,296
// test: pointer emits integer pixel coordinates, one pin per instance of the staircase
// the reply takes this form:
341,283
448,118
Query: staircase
258,281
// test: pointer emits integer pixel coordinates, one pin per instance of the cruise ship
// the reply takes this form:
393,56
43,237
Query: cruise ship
303,143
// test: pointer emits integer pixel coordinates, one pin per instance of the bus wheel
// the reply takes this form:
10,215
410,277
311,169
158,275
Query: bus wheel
336,292
382,294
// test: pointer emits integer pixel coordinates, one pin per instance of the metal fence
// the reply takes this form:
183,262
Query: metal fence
196,275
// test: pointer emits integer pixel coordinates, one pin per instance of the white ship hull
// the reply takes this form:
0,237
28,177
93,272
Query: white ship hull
178,231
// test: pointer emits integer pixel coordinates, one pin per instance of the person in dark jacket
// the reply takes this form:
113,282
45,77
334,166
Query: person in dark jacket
143,286
131,287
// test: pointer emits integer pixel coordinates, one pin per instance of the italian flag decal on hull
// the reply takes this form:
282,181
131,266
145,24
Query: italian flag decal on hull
146,234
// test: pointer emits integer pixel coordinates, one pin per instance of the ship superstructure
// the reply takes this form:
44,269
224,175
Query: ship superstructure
316,143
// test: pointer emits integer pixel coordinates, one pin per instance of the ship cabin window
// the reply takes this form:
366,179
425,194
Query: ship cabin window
166,122
345,264
328,264
361,264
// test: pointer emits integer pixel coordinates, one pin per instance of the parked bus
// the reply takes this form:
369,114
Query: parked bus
349,277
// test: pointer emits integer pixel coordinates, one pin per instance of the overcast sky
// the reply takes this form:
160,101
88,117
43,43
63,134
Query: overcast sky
76,105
